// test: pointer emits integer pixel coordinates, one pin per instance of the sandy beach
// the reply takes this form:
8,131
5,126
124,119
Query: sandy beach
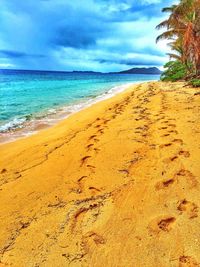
116,184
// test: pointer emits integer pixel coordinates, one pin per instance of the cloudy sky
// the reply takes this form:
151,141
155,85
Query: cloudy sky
98,35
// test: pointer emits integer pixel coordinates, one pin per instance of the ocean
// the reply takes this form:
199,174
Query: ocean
34,99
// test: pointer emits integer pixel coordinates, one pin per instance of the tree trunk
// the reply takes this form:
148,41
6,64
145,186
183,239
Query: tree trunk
198,70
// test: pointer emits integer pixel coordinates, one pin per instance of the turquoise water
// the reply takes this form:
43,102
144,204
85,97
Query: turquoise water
31,95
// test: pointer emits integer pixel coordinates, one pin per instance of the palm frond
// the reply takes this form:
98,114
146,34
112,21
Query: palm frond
163,24
169,9
183,32
166,35
175,56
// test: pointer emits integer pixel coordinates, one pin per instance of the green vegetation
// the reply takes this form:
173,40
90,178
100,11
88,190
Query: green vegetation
183,33
195,82
175,71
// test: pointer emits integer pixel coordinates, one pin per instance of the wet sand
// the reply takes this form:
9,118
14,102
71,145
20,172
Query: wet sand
116,184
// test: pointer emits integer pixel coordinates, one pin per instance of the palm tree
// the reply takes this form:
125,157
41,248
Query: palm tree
197,43
191,37
178,54
170,24
183,30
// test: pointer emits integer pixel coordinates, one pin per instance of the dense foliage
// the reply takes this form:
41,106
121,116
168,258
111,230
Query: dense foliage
174,71
195,82
183,33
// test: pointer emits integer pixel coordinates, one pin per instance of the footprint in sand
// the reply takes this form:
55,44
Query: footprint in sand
164,184
84,160
173,158
186,154
97,150
162,128
88,147
124,171
114,116
165,145
165,135
182,173
165,224
91,167
106,121
81,178
178,141
172,125
173,131
93,138
95,238
189,177
79,188
188,207
3,171
187,261
161,224
101,131
94,190
101,126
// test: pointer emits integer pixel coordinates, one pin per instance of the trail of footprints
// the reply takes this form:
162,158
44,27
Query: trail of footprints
182,176
92,148
177,157
167,131
140,114
89,209
100,125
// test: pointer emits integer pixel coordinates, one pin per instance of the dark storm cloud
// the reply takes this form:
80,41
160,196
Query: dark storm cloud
62,34
79,34
133,62
135,59
16,54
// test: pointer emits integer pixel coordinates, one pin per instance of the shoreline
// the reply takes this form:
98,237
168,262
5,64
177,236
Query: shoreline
116,184
52,117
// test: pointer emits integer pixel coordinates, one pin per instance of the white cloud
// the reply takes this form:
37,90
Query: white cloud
6,65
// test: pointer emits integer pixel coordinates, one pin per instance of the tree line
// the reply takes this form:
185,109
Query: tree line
183,33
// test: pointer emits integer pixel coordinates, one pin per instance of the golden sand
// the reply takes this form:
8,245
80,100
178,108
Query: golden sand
116,184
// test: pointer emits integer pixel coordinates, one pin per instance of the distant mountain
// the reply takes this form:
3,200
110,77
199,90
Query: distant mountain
152,70
85,71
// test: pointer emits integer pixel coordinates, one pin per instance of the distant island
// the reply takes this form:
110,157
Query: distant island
151,71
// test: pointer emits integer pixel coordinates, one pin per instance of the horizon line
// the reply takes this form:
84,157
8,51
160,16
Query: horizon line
72,71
